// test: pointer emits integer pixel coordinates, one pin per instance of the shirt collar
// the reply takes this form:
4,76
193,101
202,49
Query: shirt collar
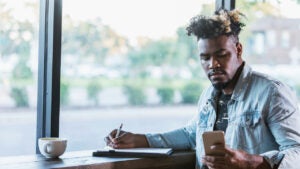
242,84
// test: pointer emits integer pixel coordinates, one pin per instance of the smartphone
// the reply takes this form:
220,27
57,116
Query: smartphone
210,138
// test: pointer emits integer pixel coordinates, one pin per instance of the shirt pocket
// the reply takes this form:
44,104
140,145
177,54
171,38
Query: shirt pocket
248,133
203,120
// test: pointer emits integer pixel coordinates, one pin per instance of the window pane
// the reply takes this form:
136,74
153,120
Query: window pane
131,62
18,76
127,62
285,39
272,36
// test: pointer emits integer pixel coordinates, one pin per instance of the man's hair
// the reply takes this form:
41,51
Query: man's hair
223,22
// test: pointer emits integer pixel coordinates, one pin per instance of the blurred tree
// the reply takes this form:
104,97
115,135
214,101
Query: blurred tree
166,94
15,35
93,90
22,70
190,92
20,96
64,92
152,53
177,52
188,51
135,94
16,41
91,40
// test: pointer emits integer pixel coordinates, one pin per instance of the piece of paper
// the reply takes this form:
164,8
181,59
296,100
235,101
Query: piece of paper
134,152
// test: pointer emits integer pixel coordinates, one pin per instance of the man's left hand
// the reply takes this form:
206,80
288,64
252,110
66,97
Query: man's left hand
234,159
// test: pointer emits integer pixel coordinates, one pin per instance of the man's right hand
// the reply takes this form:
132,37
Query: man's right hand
126,140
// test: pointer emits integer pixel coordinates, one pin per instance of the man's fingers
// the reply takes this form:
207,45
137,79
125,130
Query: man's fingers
106,140
120,138
113,133
110,137
122,145
122,134
213,162
219,159
229,151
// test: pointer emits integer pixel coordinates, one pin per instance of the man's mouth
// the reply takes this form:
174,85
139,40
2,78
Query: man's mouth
216,74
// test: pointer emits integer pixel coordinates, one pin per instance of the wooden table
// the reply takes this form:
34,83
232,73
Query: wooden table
85,160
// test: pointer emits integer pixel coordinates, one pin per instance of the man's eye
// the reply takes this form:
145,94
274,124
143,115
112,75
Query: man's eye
221,55
204,58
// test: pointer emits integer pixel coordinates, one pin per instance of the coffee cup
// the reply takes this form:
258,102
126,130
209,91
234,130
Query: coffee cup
52,147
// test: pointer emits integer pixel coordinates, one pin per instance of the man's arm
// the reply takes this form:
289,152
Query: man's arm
183,138
180,139
284,123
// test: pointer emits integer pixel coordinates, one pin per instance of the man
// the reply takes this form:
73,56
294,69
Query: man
258,114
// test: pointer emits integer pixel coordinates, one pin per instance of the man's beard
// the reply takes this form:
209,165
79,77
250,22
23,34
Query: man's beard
220,86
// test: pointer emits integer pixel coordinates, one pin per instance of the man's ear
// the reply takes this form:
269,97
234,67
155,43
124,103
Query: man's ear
239,48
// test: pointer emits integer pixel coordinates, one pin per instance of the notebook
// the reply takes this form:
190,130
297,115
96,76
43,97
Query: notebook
134,152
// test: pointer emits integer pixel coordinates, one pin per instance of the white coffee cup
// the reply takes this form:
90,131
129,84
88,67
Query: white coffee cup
52,147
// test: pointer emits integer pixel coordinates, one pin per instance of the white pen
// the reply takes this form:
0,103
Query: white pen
119,130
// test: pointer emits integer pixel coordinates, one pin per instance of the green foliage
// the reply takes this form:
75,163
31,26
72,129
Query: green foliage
189,43
152,53
64,93
22,71
93,89
191,92
15,34
20,96
91,40
166,94
180,51
135,94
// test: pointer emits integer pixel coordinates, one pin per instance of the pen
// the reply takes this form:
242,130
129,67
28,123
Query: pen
119,130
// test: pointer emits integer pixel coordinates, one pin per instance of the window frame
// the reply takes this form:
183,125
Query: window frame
49,60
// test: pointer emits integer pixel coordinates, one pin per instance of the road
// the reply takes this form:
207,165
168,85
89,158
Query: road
86,128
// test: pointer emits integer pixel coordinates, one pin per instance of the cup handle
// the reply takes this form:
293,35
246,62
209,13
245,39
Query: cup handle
46,148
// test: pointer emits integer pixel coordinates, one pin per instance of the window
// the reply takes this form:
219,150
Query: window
285,39
259,43
18,76
271,34
271,38
125,63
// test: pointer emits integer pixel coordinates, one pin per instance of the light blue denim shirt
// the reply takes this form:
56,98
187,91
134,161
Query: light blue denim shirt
264,119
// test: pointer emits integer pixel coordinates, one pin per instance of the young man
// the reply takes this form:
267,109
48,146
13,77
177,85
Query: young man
258,114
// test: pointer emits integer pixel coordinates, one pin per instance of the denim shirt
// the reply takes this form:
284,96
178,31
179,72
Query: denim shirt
264,119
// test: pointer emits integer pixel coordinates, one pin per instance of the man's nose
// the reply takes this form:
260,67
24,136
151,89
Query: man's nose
214,63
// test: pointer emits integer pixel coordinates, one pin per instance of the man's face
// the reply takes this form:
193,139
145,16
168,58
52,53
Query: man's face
220,58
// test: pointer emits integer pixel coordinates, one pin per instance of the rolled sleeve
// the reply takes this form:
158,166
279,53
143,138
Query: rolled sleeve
178,139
